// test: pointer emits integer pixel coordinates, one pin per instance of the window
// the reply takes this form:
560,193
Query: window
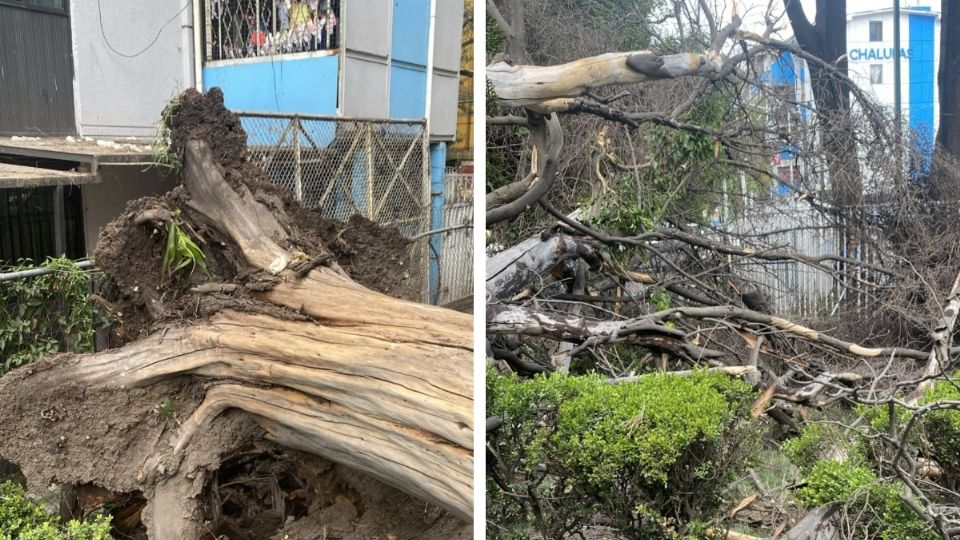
39,5
235,29
876,30
876,74
27,224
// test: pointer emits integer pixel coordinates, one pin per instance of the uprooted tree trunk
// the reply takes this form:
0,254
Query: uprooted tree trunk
320,363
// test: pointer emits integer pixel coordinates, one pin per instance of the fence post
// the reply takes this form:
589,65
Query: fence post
298,170
369,144
438,162
425,213
59,223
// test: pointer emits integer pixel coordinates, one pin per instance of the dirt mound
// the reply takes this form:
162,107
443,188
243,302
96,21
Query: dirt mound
376,257
203,116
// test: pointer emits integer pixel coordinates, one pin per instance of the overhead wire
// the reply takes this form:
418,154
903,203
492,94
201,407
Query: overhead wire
156,38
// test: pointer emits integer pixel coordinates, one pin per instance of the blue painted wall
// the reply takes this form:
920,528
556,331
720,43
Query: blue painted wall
408,91
783,69
921,81
307,85
411,31
408,49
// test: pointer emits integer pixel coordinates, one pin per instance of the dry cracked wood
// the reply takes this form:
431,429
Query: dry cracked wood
376,383
519,85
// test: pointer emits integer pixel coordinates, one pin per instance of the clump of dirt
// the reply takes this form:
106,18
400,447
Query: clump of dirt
204,116
374,256
75,430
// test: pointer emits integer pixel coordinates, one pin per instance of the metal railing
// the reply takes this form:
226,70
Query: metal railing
376,168
456,257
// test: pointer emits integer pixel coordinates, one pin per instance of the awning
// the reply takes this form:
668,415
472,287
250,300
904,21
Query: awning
87,152
19,176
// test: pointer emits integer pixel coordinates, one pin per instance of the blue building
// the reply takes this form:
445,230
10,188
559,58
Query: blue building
84,82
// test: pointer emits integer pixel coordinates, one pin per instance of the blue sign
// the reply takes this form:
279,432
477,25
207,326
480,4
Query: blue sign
877,54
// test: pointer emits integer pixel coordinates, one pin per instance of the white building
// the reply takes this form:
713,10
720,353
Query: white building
871,53
870,58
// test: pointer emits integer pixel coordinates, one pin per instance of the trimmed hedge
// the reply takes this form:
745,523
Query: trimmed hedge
650,455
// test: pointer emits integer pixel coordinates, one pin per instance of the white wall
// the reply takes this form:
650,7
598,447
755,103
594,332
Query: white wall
119,184
118,96
858,37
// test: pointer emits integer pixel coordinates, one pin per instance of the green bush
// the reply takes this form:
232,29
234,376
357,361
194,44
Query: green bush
834,481
942,427
649,455
23,519
42,315
819,441
873,507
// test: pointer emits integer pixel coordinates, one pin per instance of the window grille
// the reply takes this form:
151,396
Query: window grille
252,28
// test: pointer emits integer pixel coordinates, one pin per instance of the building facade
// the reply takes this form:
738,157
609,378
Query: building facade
870,57
83,83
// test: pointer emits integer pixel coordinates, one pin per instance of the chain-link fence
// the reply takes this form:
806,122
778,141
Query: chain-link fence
456,256
245,28
378,169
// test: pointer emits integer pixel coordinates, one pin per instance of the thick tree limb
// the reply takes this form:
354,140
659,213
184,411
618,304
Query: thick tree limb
502,319
529,263
547,137
733,371
528,85
939,360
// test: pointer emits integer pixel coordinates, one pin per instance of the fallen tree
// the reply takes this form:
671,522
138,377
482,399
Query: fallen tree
277,342
639,231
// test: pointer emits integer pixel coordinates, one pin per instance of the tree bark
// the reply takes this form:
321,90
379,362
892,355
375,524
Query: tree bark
520,85
948,137
827,40
379,384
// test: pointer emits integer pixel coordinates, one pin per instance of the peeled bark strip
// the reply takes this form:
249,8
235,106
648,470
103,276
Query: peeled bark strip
942,335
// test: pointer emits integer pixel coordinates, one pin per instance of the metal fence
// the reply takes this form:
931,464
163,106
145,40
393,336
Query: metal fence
456,257
794,288
378,169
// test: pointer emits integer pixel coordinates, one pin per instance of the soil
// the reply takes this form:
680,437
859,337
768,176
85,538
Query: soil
66,433
287,495
374,256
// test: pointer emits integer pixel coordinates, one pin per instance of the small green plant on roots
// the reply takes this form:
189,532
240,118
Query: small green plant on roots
166,409
181,256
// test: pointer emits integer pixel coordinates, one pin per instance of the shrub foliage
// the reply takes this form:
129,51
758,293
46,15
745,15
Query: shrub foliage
43,315
649,455
24,519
